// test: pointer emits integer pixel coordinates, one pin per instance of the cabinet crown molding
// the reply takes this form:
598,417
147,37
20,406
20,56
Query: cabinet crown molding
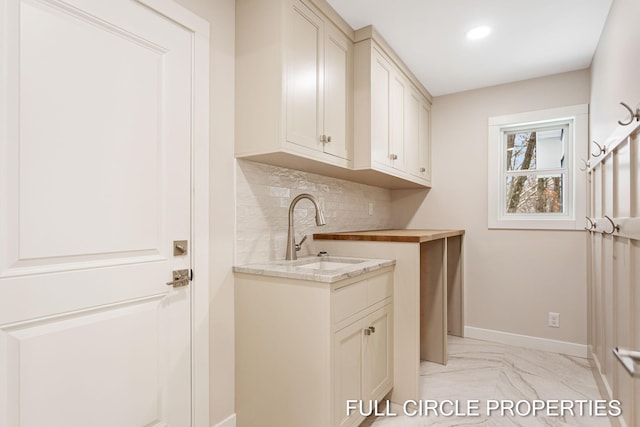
370,33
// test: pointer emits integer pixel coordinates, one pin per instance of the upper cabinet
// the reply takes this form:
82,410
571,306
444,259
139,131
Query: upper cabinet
392,114
318,67
381,106
418,136
293,89
309,98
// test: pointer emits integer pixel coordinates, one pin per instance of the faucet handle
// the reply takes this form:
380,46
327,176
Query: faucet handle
299,245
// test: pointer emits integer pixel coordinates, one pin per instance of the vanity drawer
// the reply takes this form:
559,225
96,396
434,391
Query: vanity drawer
351,299
379,287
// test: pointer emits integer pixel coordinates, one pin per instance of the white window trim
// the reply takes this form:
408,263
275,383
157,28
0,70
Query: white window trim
578,115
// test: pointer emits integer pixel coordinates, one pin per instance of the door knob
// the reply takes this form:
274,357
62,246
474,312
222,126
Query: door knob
180,278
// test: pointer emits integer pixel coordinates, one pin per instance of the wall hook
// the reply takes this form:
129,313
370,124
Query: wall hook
633,115
591,226
601,149
586,165
613,224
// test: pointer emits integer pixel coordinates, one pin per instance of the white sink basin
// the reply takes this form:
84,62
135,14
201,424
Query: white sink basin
326,266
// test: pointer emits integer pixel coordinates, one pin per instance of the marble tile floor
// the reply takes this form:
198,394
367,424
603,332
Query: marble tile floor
480,370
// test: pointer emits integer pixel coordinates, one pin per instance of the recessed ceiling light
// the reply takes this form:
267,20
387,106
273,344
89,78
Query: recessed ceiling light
478,32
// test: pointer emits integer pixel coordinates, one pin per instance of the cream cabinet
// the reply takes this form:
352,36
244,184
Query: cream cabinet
293,84
363,363
304,348
417,121
318,68
313,95
391,124
387,109
428,294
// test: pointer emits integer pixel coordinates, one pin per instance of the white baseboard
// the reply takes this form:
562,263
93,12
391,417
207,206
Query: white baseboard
543,344
601,380
230,421
603,385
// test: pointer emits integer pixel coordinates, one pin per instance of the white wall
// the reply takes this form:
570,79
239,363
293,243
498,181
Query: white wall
614,278
221,16
614,71
264,194
513,278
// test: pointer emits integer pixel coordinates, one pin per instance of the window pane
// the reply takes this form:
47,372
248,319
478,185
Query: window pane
543,149
521,151
532,194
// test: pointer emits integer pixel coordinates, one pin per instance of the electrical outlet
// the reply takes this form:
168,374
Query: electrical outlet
370,208
554,319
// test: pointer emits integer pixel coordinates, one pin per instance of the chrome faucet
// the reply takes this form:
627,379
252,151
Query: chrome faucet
292,247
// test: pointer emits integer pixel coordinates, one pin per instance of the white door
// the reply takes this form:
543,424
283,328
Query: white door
95,140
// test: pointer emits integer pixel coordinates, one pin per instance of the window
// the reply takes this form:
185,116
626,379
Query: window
533,182
535,170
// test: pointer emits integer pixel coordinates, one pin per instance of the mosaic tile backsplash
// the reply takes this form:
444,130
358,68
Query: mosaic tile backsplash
263,196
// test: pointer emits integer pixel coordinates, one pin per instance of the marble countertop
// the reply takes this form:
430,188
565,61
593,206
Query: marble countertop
318,269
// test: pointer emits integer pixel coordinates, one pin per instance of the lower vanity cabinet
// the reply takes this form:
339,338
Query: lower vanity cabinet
304,348
363,355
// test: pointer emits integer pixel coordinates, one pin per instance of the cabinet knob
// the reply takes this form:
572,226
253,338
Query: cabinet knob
372,329
367,331
423,170
393,156
324,139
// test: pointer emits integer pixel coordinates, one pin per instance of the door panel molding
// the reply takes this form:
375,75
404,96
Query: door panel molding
57,364
613,279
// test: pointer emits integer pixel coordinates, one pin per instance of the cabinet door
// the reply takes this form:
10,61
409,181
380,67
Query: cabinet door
412,132
378,354
424,167
417,122
347,373
398,95
304,63
337,86
381,76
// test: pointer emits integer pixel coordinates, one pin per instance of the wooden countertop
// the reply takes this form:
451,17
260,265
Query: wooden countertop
409,236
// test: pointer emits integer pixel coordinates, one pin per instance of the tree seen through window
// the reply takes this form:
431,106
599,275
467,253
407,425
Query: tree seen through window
534,166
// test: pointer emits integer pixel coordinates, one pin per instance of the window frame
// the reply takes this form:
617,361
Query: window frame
574,192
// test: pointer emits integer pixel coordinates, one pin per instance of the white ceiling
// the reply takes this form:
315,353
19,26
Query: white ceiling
530,38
